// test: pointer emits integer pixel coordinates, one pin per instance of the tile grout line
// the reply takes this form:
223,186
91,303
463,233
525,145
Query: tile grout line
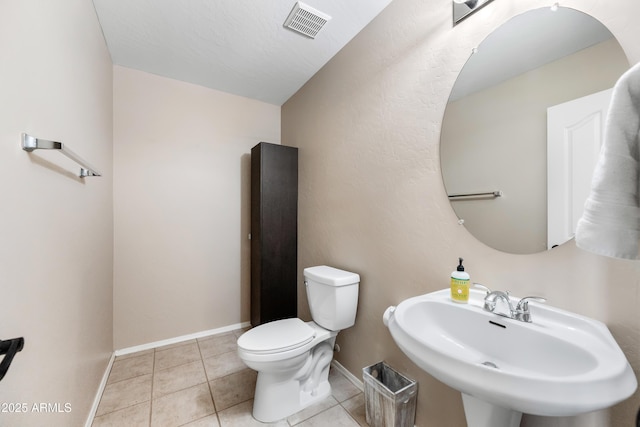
206,377
124,379
107,383
349,412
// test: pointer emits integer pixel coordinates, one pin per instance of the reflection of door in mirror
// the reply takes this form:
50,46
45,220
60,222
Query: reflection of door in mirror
574,137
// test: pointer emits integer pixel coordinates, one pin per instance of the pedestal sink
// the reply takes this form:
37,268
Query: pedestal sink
560,364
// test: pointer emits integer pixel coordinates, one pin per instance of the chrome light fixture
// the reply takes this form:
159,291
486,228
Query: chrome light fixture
464,8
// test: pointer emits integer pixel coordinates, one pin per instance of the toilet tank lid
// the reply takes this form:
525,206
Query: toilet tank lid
331,276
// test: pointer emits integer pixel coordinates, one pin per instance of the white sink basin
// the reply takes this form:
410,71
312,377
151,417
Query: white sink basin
560,364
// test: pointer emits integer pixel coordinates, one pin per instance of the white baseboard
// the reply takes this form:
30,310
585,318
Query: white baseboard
354,380
103,384
182,338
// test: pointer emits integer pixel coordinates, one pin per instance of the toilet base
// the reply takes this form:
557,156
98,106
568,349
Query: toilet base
281,394
278,401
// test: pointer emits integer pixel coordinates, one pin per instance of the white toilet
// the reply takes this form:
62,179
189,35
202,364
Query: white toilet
292,357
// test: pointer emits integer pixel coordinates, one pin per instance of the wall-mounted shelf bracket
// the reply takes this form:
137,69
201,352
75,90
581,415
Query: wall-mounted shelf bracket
30,143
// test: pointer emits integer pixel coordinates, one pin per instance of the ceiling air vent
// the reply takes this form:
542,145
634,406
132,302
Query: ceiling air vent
306,20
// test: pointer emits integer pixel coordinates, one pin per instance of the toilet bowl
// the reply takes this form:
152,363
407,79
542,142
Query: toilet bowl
292,357
292,375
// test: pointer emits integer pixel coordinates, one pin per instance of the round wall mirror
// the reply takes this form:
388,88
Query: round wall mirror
516,157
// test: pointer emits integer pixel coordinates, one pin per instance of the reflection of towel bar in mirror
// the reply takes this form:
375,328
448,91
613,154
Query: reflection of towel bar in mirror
30,143
492,194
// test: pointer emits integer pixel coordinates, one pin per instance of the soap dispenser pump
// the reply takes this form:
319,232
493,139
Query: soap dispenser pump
460,284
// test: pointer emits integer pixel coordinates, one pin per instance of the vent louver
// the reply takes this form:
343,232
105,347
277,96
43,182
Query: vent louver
306,20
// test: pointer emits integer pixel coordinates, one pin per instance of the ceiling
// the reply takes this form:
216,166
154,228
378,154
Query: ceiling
242,47
236,46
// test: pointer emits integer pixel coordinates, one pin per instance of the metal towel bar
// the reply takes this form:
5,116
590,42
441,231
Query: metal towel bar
496,193
30,143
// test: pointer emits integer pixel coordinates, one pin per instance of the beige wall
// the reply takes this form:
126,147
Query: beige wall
55,228
502,145
372,199
181,205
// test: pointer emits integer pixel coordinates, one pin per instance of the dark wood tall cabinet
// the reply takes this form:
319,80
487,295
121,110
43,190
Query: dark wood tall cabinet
274,232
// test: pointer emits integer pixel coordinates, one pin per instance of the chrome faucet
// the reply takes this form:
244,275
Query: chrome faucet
492,298
520,312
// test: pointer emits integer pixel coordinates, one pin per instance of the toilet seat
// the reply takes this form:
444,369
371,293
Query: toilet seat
277,336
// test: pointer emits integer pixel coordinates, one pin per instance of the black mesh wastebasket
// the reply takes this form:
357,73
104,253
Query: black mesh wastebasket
390,397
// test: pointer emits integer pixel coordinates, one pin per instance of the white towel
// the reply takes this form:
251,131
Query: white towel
610,224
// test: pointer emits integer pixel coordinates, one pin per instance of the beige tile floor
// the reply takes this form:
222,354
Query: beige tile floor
203,383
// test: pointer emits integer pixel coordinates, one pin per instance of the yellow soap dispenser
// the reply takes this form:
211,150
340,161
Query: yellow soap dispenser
460,284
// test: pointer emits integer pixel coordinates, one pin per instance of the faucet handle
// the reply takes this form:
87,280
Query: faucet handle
523,304
483,287
522,308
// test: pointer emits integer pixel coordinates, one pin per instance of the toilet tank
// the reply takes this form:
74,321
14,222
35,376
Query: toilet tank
332,296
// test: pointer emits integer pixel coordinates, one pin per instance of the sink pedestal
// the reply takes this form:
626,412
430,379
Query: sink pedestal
482,414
